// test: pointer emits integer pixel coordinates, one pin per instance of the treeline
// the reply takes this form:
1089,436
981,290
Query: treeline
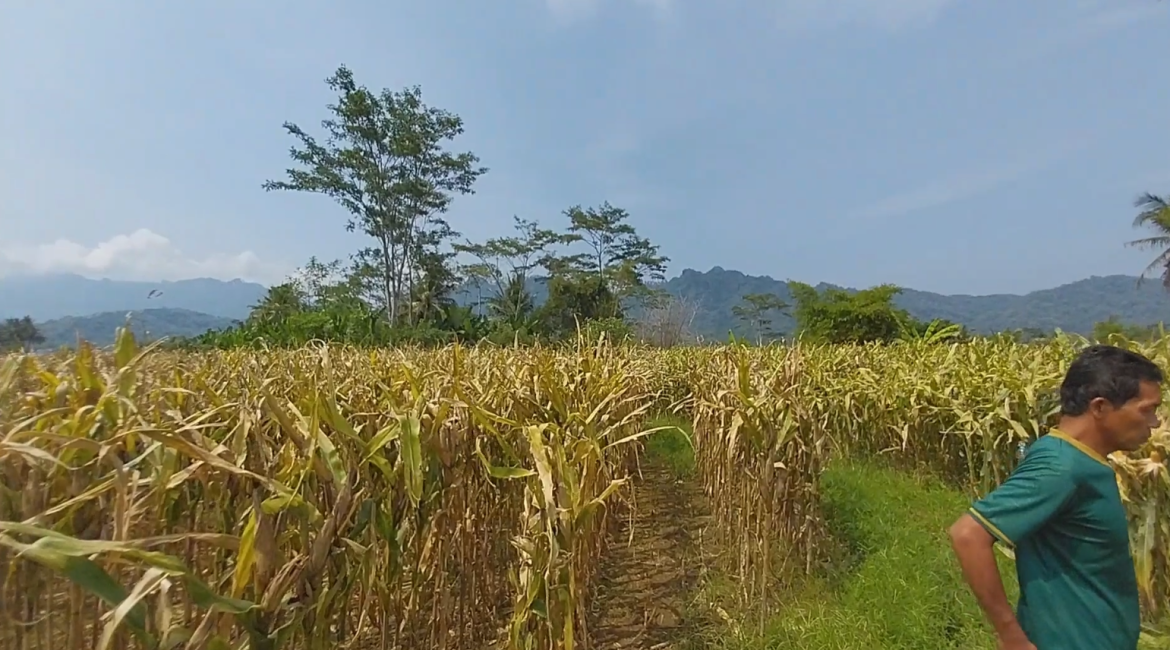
384,160
839,316
19,334
384,157
593,290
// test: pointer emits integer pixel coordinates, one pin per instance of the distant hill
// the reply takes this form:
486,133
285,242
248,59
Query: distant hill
147,325
47,297
192,306
1072,307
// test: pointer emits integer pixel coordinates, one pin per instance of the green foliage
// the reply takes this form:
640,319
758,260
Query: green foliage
897,584
621,261
577,299
1074,307
320,306
146,325
672,446
907,576
837,316
756,312
383,161
505,264
615,330
500,259
1154,213
19,334
1026,335
1113,330
939,330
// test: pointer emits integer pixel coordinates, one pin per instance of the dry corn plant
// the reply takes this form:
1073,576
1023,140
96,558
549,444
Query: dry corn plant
308,499
758,454
459,498
962,412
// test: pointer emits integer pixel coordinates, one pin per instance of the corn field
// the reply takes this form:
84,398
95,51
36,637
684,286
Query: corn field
460,498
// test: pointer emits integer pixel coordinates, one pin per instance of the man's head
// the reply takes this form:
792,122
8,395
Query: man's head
1115,393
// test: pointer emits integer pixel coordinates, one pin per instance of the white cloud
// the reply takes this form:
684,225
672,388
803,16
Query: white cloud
141,255
966,184
890,15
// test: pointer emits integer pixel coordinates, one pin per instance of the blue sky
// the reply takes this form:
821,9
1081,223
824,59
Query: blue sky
972,147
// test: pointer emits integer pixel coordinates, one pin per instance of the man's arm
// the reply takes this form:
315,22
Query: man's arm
973,546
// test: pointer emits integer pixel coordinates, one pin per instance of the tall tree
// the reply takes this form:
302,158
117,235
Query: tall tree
383,161
328,285
621,261
282,301
1154,213
514,305
19,334
838,316
575,300
434,284
506,263
1104,331
756,312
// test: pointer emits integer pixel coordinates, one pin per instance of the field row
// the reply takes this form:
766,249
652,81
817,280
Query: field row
457,498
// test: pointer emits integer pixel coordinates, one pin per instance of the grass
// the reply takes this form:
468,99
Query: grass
672,447
893,583
896,583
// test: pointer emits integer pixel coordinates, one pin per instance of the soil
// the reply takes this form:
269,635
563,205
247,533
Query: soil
651,569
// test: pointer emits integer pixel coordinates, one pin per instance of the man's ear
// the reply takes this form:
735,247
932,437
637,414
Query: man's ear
1099,407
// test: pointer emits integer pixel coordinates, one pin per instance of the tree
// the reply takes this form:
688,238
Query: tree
431,293
514,305
592,286
280,303
938,330
621,261
837,316
19,334
329,286
573,301
505,264
1154,213
756,310
1106,330
383,161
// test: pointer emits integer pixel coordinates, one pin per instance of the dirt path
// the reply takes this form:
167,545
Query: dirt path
646,583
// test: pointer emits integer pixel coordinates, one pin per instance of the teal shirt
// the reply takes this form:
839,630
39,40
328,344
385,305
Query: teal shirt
1062,514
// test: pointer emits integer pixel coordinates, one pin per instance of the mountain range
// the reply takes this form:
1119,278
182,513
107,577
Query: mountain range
47,297
67,305
1073,307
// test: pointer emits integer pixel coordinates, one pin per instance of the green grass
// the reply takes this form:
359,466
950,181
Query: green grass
896,584
672,447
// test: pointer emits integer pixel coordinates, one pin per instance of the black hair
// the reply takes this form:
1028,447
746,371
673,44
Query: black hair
1105,371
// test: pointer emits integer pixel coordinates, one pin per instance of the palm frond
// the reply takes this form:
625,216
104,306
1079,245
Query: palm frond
1146,243
1154,211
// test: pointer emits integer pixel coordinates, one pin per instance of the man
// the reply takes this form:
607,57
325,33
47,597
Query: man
1062,513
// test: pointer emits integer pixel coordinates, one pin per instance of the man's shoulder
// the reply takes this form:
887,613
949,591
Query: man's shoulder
1059,453
1052,453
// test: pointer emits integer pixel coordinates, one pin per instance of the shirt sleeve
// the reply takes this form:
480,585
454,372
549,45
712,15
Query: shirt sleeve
1039,489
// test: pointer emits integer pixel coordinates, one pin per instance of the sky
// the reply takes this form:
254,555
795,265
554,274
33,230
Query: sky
959,147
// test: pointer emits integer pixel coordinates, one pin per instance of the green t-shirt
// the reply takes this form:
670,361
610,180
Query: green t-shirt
1061,511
